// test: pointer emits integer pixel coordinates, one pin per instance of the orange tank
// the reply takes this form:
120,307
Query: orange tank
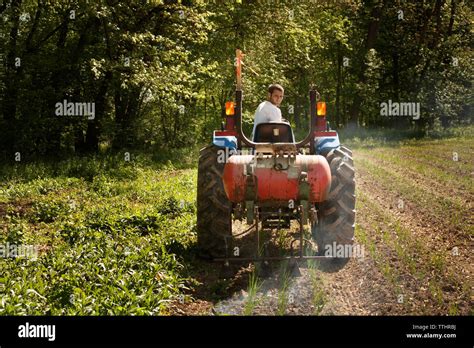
277,178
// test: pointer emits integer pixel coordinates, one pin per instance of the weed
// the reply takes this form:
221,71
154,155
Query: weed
253,288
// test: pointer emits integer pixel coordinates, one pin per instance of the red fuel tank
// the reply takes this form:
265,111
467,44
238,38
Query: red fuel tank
277,178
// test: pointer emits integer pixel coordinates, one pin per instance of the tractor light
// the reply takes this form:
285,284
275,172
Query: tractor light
321,109
229,108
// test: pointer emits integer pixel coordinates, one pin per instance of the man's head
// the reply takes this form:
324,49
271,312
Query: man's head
275,94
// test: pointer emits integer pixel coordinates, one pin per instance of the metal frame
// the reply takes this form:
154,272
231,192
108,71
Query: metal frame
313,96
259,258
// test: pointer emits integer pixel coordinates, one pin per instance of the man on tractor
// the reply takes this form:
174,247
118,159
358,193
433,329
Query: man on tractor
269,110
319,180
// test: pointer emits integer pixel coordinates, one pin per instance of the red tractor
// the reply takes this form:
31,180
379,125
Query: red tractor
280,180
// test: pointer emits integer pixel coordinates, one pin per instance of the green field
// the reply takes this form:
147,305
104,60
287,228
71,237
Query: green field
108,234
115,237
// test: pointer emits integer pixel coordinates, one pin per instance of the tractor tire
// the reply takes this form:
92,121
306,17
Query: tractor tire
214,210
336,215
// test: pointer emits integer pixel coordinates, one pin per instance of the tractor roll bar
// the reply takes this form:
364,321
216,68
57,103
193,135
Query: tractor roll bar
238,110
308,139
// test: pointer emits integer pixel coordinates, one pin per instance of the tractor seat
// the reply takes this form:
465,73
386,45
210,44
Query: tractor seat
274,132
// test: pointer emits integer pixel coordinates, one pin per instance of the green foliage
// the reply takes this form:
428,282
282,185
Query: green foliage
15,232
160,73
49,211
112,245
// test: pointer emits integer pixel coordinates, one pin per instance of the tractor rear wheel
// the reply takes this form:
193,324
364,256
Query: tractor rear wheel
336,215
214,219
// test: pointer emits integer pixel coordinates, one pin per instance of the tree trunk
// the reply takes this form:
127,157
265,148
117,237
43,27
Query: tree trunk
372,34
451,18
94,126
11,81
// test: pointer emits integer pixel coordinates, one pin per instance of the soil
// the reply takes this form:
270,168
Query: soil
361,287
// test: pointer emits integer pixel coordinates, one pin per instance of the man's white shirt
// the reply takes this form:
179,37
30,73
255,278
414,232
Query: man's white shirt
266,112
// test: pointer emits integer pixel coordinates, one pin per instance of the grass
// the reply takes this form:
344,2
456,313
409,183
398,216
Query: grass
440,208
435,170
115,237
284,297
378,226
111,238
413,255
319,299
376,138
254,286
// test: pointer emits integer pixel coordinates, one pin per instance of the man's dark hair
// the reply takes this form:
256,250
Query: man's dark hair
274,86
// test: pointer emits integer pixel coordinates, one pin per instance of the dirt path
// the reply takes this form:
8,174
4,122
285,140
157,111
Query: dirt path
408,265
357,289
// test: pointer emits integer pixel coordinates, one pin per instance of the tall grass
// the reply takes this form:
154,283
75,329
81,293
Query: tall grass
111,235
